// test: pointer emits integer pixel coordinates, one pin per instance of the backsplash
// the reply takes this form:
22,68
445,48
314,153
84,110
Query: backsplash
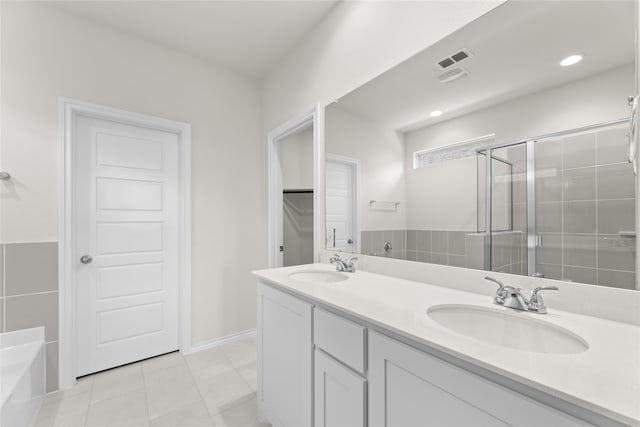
29,295
593,258
453,247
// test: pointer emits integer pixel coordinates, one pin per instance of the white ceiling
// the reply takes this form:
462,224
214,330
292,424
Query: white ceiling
517,48
246,36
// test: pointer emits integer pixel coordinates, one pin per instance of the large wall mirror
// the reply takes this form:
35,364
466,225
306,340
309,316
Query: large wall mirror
502,147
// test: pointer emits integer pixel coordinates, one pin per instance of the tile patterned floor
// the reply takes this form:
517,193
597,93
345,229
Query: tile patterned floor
215,387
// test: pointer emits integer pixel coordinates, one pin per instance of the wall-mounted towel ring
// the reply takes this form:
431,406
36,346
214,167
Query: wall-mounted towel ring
5,176
633,124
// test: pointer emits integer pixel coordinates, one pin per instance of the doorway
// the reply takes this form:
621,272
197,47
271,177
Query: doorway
294,202
296,160
125,238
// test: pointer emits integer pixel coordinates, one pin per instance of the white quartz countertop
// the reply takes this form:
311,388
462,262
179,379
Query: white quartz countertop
605,378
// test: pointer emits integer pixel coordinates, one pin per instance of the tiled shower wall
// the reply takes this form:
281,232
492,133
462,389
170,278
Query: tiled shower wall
586,201
455,248
29,295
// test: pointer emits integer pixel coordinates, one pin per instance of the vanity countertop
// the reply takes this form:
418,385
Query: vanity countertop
605,378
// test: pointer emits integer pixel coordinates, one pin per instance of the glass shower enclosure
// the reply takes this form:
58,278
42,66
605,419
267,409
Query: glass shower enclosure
561,206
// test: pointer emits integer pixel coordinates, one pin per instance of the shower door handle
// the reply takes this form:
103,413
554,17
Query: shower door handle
633,124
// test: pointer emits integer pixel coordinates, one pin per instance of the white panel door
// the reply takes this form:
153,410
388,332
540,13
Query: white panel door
340,206
126,219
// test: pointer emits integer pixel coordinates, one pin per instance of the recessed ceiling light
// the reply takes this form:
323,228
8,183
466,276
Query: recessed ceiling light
570,60
436,113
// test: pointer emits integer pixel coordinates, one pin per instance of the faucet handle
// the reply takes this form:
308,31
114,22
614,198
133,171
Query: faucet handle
536,303
501,292
355,258
538,298
494,280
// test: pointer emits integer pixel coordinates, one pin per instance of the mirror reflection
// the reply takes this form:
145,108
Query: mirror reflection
502,147
295,155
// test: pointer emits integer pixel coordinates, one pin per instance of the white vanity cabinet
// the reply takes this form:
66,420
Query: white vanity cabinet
320,368
285,358
408,387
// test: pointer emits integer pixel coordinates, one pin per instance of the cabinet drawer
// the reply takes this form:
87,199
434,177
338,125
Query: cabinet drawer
341,338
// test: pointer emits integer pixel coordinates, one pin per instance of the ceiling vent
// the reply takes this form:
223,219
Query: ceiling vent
454,58
452,74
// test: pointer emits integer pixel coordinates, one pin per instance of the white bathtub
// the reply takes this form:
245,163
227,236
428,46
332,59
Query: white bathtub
22,376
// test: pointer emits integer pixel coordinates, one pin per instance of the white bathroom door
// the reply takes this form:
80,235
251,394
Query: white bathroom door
340,206
126,185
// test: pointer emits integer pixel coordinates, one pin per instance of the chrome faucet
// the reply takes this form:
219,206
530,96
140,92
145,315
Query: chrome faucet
343,265
511,297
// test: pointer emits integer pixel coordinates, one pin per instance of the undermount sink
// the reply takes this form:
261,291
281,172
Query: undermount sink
318,276
516,330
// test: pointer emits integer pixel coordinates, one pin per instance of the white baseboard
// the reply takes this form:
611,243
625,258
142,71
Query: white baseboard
222,340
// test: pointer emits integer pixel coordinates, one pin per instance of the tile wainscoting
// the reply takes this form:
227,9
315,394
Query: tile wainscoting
606,260
29,294
453,247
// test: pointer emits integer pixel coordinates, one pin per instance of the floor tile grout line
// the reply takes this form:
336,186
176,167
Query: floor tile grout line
116,370
86,415
200,391
243,379
228,359
144,387
59,404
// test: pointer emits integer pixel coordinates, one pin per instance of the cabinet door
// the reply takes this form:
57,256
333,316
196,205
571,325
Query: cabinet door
409,388
285,359
340,394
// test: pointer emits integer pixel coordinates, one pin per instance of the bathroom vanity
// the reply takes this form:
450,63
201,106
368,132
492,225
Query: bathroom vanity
364,349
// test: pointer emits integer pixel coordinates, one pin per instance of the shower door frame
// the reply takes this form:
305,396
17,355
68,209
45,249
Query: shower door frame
532,236
488,153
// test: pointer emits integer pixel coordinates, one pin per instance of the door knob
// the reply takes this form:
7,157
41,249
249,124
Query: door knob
86,259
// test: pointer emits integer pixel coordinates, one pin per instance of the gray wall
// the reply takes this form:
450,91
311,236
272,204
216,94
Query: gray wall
29,295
